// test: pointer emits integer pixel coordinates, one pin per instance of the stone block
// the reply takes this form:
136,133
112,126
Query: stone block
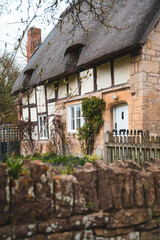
128,191
149,189
103,192
88,235
60,236
64,195
110,186
4,194
116,185
23,231
80,205
55,236
6,232
149,66
40,171
130,236
89,221
52,226
44,194
149,51
87,179
23,201
138,189
153,80
128,217
148,226
150,235
78,235
156,175
112,232
43,176
132,165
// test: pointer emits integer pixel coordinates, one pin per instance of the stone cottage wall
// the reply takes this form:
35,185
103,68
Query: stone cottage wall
99,202
145,85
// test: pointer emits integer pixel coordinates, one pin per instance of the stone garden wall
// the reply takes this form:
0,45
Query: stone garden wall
99,202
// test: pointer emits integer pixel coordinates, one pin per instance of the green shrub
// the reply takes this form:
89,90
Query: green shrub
64,160
92,158
92,112
15,167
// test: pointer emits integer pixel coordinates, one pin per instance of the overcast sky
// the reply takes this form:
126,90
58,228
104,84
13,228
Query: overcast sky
11,29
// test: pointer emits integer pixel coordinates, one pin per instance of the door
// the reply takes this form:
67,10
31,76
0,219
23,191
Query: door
120,117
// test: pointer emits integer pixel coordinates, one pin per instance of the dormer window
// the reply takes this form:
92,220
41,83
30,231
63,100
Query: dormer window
72,54
75,49
28,74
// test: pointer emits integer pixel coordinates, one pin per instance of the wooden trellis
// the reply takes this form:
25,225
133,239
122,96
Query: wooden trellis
10,137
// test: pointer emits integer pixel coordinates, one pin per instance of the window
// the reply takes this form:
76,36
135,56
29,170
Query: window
75,119
42,126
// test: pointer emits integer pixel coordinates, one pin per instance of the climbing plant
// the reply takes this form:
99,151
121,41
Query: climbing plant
92,112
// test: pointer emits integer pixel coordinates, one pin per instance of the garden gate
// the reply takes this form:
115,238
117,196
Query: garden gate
9,140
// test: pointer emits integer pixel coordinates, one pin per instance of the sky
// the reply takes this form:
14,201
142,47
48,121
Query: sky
11,27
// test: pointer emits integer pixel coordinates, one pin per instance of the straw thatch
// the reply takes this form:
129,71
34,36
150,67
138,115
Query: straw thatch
58,55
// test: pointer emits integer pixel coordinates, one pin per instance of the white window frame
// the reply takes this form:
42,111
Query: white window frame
42,127
71,119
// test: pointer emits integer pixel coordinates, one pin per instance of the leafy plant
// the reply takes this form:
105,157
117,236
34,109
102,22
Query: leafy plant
92,158
15,167
92,112
90,206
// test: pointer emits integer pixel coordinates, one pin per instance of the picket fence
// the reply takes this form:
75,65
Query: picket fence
138,146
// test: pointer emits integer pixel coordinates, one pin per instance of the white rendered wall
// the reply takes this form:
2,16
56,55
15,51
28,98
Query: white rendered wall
41,104
50,91
51,108
73,85
25,113
103,76
122,70
50,125
35,133
32,97
86,78
62,88
33,114
25,99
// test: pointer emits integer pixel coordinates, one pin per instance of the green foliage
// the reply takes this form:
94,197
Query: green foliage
90,206
92,158
64,160
92,112
8,74
15,167
69,169
66,164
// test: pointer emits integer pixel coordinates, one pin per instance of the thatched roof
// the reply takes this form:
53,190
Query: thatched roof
58,55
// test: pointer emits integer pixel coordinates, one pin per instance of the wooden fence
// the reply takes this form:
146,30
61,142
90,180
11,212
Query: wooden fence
137,146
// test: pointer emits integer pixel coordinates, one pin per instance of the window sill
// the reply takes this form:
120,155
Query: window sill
43,139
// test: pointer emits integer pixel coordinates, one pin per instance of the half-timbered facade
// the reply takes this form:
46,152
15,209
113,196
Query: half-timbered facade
122,67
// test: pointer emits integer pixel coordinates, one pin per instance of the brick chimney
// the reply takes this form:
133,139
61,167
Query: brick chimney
34,38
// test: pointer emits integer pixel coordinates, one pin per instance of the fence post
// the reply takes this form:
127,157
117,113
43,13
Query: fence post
106,140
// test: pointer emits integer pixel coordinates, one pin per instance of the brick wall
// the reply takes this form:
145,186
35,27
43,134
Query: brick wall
34,38
98,202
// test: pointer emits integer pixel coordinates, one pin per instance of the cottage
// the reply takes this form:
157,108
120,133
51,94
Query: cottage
120,65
